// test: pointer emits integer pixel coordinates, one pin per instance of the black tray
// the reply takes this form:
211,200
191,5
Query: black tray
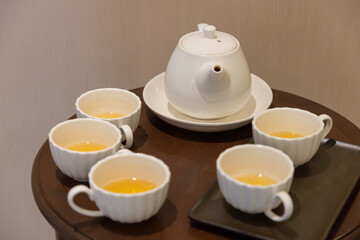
319,191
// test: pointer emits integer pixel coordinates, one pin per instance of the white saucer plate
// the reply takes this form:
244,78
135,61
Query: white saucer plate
155,98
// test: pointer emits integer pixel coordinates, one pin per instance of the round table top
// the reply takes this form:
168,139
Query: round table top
191,158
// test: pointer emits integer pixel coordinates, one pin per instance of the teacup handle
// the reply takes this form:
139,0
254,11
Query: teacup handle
82,189
288,207
127,135
328,124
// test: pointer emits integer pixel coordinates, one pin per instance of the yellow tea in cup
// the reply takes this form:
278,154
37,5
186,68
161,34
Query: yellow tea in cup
267,172
87,147
109,115
256,179
286,134
129,185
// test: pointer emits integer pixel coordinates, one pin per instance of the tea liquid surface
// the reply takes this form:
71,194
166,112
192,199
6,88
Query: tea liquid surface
256,179
287,134
87,146
129,185
110,115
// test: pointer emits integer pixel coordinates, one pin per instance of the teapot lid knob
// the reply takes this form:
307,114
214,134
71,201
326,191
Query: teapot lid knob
201,26
209,31
207,41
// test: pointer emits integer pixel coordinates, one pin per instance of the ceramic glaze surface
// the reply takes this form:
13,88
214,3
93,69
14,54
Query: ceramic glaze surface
208,82
155,98
76,164
251,158
300,150
124,207
110,100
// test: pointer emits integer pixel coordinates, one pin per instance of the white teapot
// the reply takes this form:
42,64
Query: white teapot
207,76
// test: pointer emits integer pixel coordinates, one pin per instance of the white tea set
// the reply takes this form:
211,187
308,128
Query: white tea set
207,87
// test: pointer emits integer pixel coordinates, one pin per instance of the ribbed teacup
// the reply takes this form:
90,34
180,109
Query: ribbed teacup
261,161
110,100
313,129
124,207
77,164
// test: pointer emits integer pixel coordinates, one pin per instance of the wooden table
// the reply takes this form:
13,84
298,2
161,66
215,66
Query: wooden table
191,158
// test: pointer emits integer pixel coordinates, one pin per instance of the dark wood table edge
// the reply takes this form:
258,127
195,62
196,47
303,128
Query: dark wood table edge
47,211
67,232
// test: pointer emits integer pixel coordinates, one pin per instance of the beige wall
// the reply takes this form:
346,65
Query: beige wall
53,50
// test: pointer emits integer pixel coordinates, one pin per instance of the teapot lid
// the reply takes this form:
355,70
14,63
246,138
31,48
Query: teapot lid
208,41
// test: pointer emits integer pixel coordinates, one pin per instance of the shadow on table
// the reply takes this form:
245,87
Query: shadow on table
241,133
105,227
162,220
140,137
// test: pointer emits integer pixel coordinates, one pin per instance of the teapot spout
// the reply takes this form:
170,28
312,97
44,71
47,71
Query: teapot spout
213,83
216,73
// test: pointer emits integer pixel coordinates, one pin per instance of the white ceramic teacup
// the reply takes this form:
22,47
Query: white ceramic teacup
112,101
77,164
283,119
256,161
124,207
